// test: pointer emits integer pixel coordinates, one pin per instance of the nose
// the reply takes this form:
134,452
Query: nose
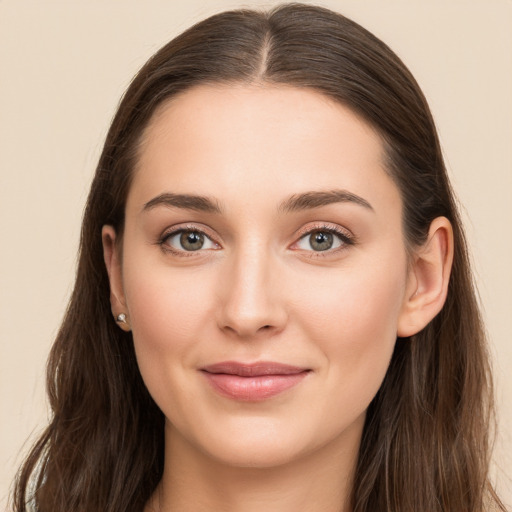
251,296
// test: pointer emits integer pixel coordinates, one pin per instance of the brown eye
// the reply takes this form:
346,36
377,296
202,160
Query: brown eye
191,240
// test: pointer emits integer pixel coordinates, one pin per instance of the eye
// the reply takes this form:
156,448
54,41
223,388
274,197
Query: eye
188,240
324,239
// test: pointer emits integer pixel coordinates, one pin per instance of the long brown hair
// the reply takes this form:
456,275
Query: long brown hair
425,445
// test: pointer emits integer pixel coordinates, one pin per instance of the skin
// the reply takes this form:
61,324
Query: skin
259,291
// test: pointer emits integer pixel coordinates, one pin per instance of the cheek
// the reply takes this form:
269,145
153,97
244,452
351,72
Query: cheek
165,302
168,312
355,300
353,318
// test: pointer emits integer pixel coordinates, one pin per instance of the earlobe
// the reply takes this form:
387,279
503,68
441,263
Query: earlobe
428,280
113,263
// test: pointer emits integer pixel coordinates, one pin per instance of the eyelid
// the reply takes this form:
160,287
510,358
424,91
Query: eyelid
325,226
175,230
344,235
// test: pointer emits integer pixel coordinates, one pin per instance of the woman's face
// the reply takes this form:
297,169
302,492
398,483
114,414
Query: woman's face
263,271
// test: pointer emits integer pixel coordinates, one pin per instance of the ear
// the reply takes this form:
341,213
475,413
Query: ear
427,283
112,259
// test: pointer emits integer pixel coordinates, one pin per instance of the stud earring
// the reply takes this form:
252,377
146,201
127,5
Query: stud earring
121,318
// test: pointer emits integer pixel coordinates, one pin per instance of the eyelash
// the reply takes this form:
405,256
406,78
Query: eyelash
345,238
184,229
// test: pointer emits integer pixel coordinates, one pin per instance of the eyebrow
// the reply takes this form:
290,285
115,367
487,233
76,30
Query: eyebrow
315,199
296,202
184,201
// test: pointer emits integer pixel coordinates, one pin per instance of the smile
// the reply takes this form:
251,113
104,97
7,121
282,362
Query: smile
252,382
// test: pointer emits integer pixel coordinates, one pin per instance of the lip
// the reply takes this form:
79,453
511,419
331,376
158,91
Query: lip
253,382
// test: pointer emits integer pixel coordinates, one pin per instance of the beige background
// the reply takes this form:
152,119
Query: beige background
63,68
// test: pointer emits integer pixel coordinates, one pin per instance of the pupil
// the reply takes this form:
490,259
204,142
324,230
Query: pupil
191,240
321,241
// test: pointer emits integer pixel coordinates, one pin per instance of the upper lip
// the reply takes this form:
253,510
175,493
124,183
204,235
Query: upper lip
253,369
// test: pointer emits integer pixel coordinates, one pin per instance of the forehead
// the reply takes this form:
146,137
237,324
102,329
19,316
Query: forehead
253,142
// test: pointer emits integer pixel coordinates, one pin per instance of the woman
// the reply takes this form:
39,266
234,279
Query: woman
273,306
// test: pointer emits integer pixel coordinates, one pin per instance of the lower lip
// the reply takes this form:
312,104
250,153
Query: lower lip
252,389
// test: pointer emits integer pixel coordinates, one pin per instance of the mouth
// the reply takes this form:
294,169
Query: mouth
253,382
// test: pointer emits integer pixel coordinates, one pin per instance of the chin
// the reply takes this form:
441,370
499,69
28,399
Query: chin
258,455
263,443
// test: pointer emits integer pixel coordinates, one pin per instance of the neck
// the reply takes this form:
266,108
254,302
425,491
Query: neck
195,482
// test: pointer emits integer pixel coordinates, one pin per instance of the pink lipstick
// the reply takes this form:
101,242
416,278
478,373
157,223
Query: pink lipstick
252,382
